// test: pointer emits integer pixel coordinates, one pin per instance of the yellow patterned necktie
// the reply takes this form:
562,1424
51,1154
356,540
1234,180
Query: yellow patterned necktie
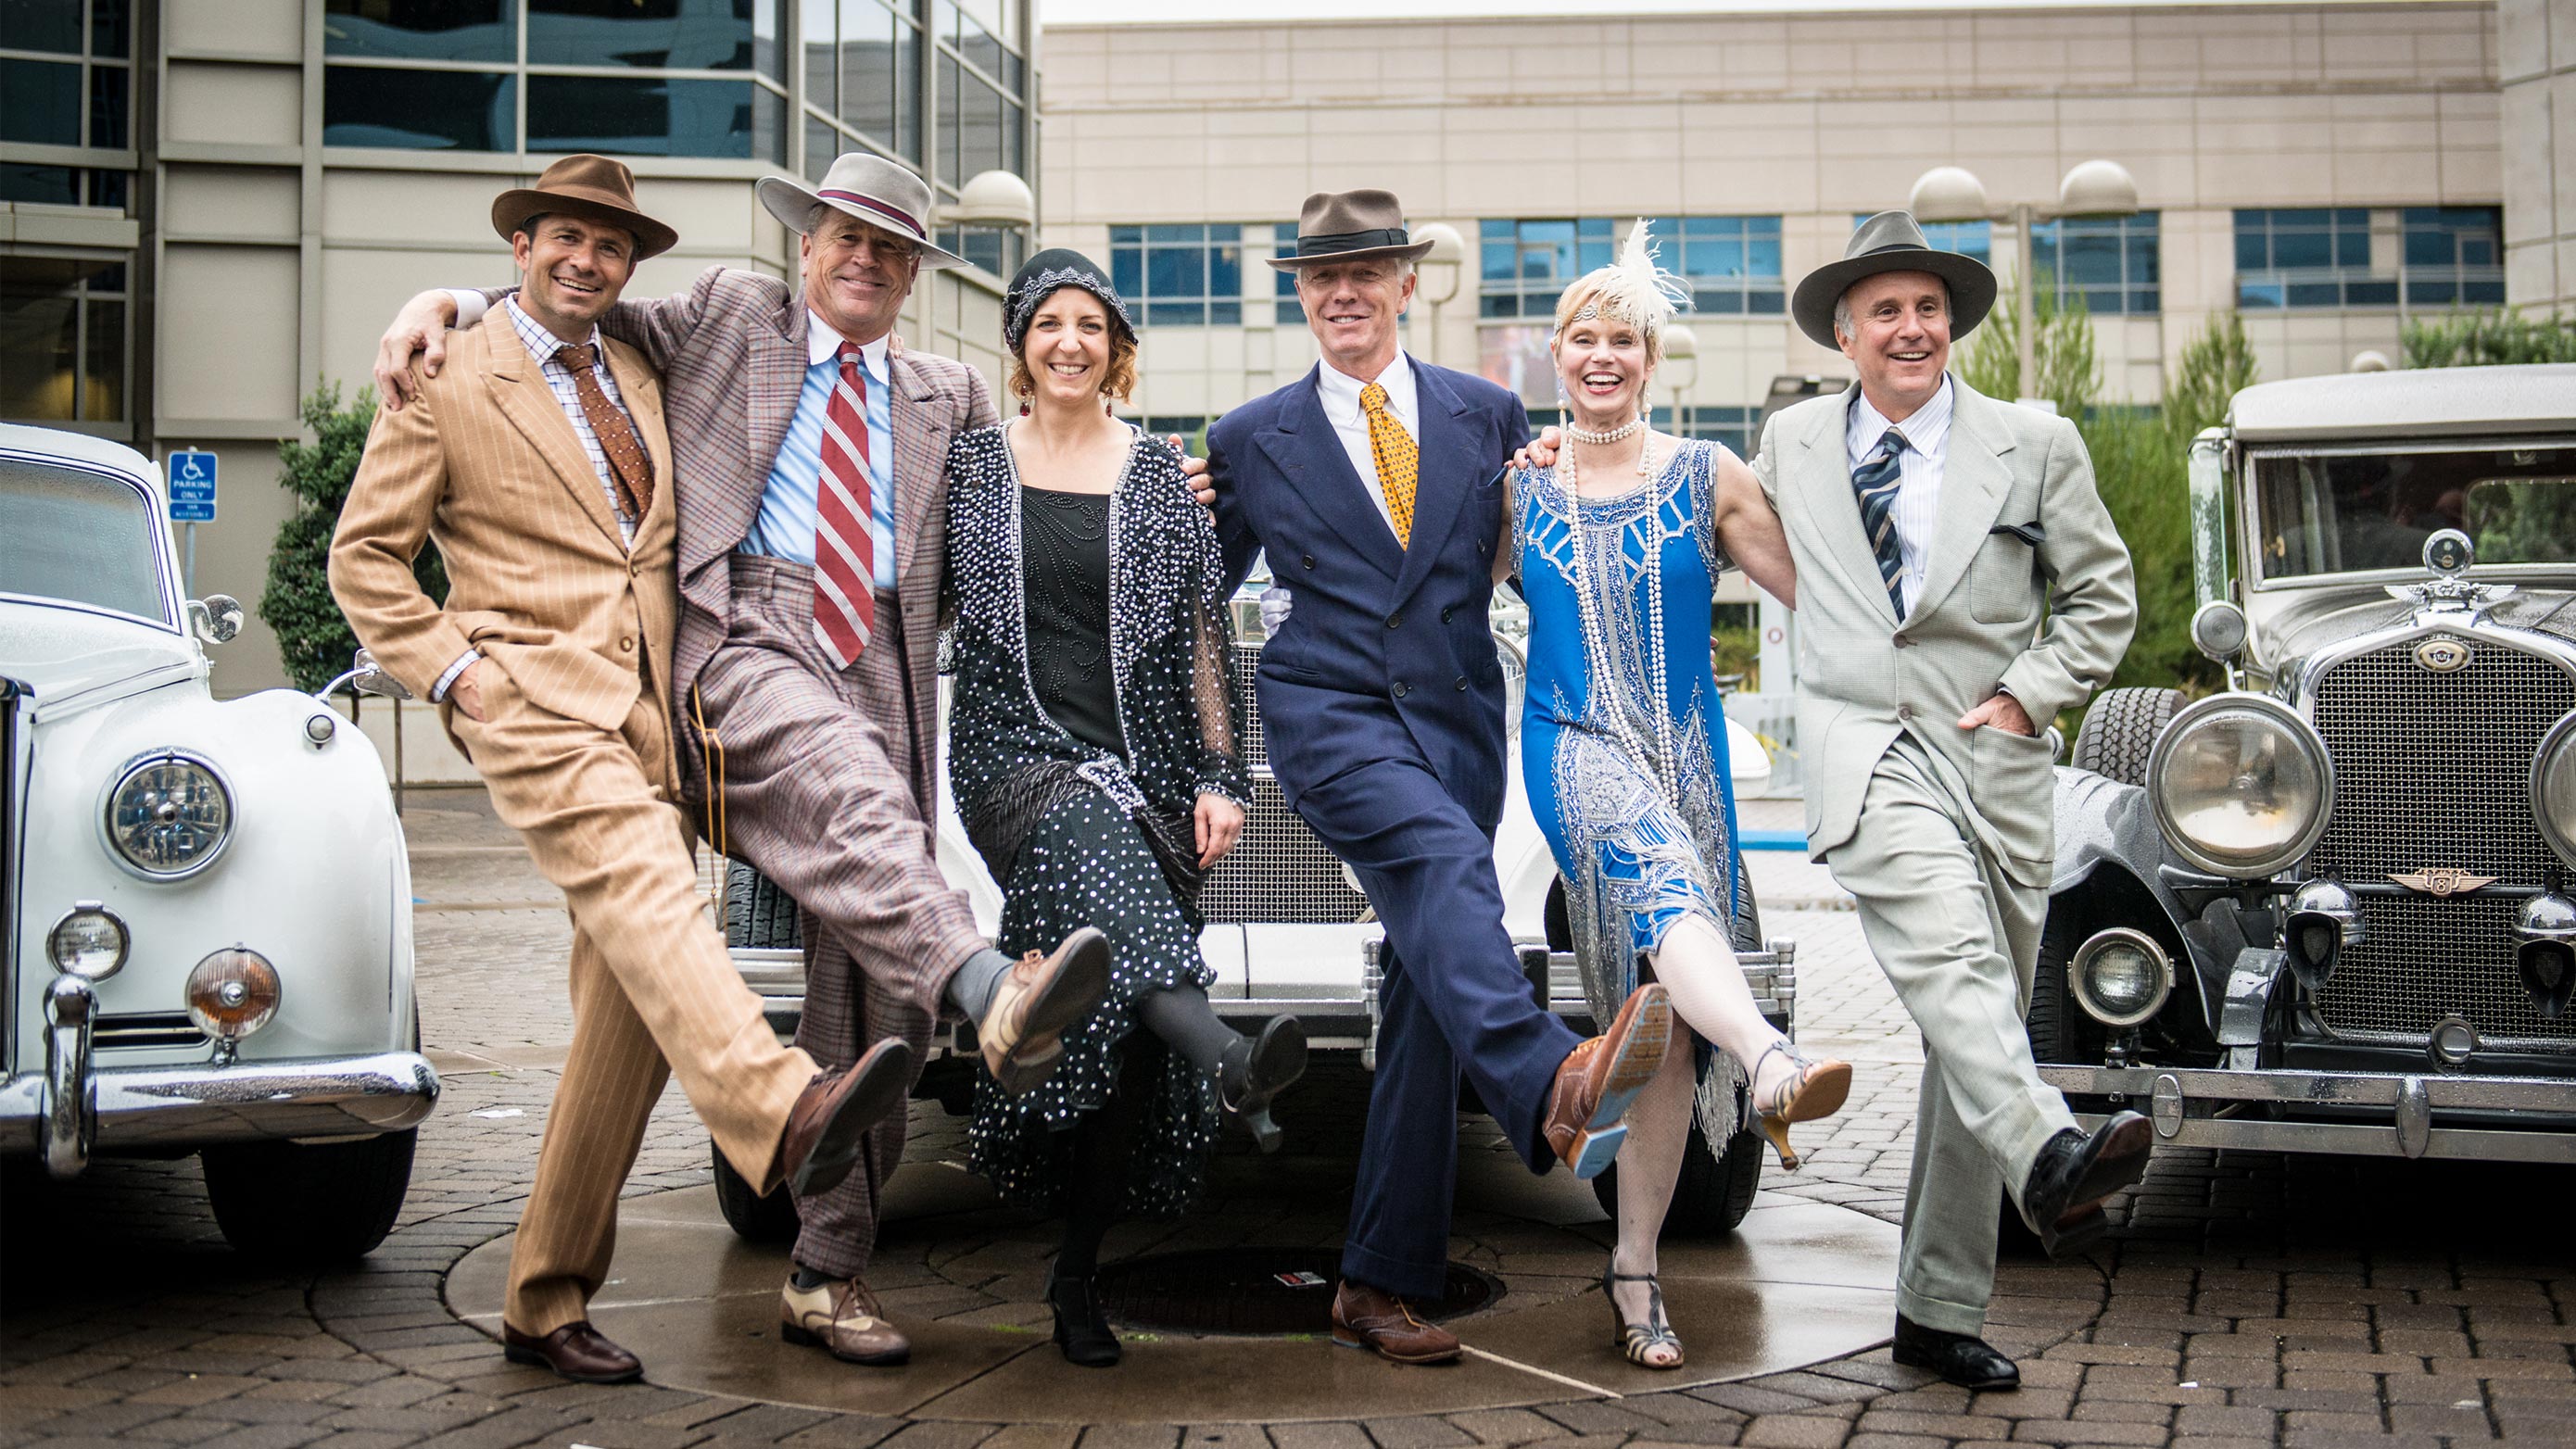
1398,461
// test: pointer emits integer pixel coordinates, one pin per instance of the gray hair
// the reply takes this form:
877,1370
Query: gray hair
1842,308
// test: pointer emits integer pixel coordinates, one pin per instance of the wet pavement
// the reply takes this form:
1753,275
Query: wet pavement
2249,1299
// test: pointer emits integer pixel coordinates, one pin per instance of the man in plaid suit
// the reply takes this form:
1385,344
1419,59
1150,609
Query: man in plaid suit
810,451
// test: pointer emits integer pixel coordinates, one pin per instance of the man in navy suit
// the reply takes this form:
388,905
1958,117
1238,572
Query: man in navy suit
1374,484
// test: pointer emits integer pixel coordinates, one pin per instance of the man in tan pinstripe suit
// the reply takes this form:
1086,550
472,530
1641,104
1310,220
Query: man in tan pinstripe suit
541,465
786,398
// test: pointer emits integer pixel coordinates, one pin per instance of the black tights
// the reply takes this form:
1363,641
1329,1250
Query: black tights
1176,1019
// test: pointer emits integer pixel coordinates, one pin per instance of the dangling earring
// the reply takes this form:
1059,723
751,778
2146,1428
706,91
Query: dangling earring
1024,392
1108,405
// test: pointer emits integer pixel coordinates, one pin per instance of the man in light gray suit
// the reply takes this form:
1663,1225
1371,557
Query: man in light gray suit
1930,525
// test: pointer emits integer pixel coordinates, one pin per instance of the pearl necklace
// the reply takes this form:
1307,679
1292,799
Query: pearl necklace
1593,624
1627,429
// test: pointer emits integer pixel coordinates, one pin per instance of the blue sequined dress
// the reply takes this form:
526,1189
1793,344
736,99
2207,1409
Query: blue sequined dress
1623,743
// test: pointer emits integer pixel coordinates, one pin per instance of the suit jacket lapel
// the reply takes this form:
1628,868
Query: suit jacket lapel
521,393
1309,451
919,460
1447,471
643,394
1823,465
1974,480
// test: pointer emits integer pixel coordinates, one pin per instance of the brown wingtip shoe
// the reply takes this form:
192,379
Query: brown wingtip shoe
575,1351
1601,1076
1040,998
1379,1321
835,1111
844,1318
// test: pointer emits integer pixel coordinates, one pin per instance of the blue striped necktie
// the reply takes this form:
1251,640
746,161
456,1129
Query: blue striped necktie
1876,481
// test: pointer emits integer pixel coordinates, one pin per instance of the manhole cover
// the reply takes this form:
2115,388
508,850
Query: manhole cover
1255,1291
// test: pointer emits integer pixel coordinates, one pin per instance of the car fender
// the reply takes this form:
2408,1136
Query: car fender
2108,846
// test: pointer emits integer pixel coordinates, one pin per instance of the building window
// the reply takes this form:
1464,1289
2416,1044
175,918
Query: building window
1292,313
67,81
2110,263
1732,426
863,79
684,77
1732,263
1188,276
2440,256
64,340
997,249
983,92
2453,256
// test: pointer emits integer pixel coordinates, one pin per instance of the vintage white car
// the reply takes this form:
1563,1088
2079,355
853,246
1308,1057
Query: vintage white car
208,943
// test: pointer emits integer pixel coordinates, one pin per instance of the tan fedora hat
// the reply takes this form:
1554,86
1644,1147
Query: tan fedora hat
871,188
1891,242
592,187
1348,226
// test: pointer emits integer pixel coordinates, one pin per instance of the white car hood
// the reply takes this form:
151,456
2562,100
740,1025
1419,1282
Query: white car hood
64,654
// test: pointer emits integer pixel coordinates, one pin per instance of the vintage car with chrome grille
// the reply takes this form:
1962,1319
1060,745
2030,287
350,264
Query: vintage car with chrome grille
206,903
1289,930
2328,909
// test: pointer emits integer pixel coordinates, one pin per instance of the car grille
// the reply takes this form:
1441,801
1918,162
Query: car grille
2434,770
1279,871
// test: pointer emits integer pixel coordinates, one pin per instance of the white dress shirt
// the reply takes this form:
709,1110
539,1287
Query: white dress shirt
1340,393
1918,497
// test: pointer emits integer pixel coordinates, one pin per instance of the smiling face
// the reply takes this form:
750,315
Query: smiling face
1066,353
571,270
1604,364
857,275
1898,336
1351,308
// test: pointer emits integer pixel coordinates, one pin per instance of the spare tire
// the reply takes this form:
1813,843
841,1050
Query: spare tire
2120,732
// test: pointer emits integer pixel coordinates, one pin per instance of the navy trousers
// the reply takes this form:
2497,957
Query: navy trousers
1453,999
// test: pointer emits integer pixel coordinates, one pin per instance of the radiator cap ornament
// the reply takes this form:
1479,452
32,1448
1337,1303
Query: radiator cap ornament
2443,881
2443,654
2449,553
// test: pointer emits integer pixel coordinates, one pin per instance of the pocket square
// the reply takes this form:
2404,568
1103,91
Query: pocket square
2029,533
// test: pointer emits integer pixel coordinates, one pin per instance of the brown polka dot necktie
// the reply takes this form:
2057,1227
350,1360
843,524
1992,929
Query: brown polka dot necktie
1399,462
628,469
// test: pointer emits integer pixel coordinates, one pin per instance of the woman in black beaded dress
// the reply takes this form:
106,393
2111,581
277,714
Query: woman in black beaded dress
1093,754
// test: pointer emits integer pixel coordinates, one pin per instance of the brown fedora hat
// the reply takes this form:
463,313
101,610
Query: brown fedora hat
591,187
1348,226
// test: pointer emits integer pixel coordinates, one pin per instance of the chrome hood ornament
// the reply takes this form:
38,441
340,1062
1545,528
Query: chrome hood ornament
2442,881
2450,595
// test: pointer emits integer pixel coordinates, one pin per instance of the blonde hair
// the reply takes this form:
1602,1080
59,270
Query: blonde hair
1634,289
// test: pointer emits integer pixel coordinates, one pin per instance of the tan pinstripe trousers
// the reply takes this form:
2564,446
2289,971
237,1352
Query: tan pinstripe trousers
651,984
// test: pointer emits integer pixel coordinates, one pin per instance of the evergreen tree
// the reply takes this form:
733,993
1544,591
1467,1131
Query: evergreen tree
2215,366
2480,339
312,636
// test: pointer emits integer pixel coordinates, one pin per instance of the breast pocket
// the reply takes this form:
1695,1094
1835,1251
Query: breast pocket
2003,581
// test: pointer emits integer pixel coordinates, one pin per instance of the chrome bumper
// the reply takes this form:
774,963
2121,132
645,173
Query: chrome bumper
72,1110
2390,1114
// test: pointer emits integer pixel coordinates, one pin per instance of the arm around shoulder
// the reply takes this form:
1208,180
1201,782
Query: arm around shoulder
659,327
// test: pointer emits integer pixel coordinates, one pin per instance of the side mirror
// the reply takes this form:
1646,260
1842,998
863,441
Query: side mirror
2218,629
215,618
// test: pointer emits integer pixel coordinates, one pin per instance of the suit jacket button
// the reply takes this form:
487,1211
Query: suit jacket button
1905,712
626,646
1307,559
1395,621
1902,642
1402,689
1462,684
1445,611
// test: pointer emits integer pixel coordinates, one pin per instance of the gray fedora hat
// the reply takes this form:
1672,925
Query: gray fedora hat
1891,242
871,188
1350,226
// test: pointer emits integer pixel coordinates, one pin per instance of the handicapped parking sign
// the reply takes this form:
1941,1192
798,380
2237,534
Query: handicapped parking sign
192,487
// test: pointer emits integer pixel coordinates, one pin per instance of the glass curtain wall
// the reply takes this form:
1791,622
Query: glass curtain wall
67,139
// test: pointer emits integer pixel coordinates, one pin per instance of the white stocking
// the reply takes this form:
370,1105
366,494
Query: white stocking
1698,968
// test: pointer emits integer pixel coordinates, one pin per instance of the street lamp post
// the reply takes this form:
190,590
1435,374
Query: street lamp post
1440,269
1681,345
2092,188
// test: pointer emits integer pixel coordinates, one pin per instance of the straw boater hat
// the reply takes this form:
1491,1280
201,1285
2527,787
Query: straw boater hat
1891,242
591,187
1350,226
871,188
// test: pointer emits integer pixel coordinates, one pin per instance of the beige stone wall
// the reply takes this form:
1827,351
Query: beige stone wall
1814,118
2536,43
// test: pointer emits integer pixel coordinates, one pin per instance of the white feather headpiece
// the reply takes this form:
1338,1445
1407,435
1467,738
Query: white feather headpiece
1634,289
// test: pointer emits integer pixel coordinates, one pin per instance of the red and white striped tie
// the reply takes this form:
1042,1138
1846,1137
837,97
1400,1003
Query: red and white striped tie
845,550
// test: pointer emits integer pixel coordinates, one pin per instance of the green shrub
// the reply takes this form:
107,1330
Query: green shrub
2480,339
312,636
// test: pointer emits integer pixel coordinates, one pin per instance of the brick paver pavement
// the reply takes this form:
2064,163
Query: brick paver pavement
2252,1298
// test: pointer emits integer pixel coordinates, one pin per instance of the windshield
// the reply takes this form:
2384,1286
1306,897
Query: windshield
79,536
2327,513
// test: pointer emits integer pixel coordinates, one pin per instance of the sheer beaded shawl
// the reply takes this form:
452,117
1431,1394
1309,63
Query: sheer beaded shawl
1170,640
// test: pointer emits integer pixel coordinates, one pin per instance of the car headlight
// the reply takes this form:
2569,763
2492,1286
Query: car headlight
232,993
2553,786
169,815
89,942
2120,977
2241,785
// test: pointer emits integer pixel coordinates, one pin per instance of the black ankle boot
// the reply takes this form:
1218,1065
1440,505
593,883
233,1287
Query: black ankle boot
1081,1329
1252,1072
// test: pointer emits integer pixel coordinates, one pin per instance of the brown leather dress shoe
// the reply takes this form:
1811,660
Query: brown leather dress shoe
1601,1076
835,1111
1040,998
575,1351
1374,1319
843,1317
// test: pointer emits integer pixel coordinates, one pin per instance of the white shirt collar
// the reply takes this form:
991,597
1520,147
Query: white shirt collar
1925,432
1341,392
822,344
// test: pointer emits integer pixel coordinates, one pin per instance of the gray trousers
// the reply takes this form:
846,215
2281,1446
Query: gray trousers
1958,939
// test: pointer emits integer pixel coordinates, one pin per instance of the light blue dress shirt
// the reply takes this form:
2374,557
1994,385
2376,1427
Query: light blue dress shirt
788,502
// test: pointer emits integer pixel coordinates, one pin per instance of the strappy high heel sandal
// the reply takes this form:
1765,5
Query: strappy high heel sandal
1816,1089
1255,1071
1637,1340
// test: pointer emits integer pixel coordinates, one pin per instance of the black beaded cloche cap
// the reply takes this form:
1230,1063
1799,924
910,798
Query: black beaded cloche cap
1046,272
